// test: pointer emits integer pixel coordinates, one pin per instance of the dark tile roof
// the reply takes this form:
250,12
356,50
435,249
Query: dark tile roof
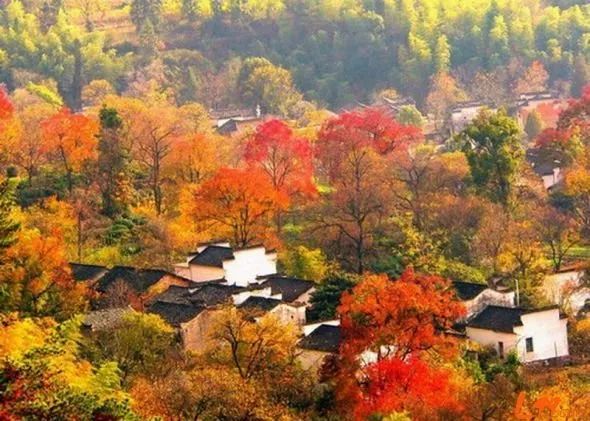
213,256
499,319
175,313
82,272
104,319
174,294
325,338
467,291
260,303
138,279
213,294
290,288
543,161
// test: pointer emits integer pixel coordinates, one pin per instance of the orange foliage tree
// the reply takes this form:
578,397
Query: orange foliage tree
71,138
37,279
398,320
239,203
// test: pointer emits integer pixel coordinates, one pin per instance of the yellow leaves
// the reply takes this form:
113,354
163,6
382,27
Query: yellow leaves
23,335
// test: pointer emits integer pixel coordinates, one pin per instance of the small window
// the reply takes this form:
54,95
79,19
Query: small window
529,345
501,349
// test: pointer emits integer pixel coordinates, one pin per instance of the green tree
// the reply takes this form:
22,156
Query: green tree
492,144
262,83
8,225
112,163
411,116
326,298
144,11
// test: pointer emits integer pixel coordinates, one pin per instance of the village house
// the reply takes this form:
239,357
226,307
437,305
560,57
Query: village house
547,165
320,340
464,113
475,297
219,261
567,288
534,335
221,275
122,286
89,274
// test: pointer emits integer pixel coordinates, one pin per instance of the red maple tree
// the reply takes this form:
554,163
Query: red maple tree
284,157
397,318
396,385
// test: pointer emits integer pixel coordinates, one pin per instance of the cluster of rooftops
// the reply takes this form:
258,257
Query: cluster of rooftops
217,274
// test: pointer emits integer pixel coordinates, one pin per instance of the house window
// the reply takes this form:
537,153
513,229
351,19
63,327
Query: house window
501,349
529,345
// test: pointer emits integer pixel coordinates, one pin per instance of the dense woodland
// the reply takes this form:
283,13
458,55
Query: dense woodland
109,155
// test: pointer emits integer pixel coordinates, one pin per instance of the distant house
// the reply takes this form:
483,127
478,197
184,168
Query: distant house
123,285
290,290
547,104
567,288
547,165
219,261
535,335
319,342
286,312
475,297
87,273
464,113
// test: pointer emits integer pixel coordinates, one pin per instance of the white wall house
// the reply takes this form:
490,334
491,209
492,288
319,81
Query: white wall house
218,261
475,297
534,335
464,113
565,288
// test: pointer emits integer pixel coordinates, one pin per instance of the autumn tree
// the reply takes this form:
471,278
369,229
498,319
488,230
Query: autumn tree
534,125
30,152
239,203
444,94
534,79
36,280
559,233
251,348
352,153
71,139
44,375
139,344
151,134
411,386
492,144
9,226
285,159
398,318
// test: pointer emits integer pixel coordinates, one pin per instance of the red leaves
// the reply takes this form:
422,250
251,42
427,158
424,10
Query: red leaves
357,130
408,314
398,320
285,158
395,385
6,108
